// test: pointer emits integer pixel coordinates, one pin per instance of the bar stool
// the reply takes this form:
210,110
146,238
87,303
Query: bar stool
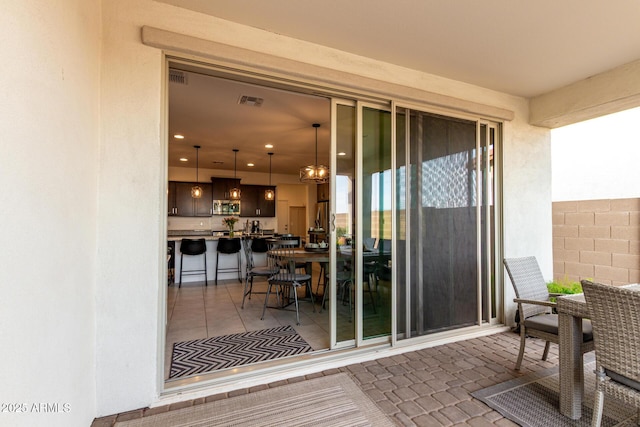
193,247
229,246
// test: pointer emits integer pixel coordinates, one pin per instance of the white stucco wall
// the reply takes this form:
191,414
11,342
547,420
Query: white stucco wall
49,122
132,186
84,180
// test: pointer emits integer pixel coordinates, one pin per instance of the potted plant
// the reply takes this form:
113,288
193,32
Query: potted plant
229,222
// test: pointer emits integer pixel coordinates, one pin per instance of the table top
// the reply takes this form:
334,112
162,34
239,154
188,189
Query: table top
576,305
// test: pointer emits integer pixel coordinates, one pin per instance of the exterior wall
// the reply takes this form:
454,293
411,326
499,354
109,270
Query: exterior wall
597,239
131,246
89,103
49,122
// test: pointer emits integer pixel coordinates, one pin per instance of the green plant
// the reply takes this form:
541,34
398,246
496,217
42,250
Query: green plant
564,286
341,231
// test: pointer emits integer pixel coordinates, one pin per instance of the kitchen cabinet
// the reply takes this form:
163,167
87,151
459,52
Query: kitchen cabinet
323,192
253,203
222,187
171,198
180,202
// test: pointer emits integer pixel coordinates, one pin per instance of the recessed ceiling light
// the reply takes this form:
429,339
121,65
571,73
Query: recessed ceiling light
184,159
250,165
268,146
178,136
342,153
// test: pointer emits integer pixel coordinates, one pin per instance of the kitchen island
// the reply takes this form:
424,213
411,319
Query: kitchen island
174,237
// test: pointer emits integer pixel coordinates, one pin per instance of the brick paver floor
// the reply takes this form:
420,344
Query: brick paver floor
430,387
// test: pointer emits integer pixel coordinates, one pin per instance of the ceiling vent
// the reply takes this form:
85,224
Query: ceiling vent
176,76
252,101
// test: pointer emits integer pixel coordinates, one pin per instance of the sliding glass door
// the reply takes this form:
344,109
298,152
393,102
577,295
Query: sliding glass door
375,223
445,222
414,223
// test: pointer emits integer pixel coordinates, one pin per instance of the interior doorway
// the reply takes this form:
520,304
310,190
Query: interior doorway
298,220
236,125
282,212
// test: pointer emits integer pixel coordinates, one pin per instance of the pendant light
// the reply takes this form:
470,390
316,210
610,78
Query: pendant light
234,193
196,190
269,194
315,173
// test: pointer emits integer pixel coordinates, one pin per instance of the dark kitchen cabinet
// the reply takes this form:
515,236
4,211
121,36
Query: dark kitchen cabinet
171,198
221,187
180,202
253,203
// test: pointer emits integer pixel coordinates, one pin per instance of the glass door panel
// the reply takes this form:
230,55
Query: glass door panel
375,254
343,283
437,186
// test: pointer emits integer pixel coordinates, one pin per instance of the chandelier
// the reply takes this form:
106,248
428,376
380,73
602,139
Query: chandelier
315,173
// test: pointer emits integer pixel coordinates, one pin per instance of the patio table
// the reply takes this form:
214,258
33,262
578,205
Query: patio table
571,309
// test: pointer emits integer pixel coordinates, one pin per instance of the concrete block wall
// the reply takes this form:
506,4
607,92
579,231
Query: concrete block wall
598,240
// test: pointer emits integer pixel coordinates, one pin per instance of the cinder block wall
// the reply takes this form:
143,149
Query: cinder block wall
597,239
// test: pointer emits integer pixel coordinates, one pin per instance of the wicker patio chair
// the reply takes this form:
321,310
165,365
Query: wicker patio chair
535,309
615,313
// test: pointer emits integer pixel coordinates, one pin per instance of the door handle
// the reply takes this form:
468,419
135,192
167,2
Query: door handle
333,222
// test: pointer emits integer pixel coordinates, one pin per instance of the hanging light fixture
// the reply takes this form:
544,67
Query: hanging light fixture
196,190
269,194
234,193
315,173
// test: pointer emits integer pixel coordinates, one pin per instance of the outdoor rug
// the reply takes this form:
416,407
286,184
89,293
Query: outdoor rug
334,400
210,354
533,400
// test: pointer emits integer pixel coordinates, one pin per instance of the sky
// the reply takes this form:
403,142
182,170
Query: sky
597,159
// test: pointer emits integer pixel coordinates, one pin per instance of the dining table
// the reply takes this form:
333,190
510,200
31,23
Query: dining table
571,310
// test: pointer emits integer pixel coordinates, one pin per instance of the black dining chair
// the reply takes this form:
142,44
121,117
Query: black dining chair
193,247
250,247
286,280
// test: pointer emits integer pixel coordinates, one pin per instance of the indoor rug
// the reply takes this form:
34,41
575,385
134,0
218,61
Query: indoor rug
533,400
210,354
334,400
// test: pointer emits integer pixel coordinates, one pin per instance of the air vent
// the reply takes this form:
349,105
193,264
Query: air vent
252,101
178,77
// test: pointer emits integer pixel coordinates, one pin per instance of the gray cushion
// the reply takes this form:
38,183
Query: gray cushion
549,323
622,379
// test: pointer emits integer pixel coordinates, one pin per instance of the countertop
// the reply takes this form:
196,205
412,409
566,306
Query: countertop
176,235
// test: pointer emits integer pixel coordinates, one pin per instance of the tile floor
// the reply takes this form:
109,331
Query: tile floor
196,311
428,387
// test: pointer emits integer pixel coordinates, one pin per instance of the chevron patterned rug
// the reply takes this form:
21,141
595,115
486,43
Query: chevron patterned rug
211,354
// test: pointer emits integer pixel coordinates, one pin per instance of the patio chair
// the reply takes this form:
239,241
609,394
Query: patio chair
615,313
534,307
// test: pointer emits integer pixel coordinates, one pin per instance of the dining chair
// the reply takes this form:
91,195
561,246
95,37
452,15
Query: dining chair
615,313
266,271
286,280
535,317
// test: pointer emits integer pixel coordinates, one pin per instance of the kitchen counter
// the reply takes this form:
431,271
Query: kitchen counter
175,235
194,262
